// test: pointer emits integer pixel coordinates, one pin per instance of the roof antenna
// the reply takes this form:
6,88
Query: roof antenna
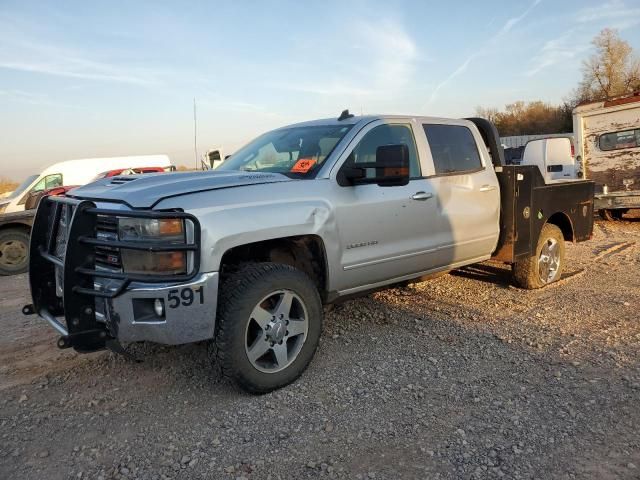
344,115
195,132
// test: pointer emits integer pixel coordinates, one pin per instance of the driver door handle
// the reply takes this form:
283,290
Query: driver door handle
421,196
487,188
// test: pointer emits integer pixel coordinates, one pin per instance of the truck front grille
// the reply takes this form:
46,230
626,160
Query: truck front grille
105,256
60,245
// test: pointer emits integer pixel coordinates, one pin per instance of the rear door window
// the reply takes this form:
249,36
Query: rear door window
453,149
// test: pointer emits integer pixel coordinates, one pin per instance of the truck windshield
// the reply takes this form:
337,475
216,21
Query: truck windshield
296,151
21,188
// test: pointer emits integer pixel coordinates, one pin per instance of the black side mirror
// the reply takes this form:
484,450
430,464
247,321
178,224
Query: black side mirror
391,168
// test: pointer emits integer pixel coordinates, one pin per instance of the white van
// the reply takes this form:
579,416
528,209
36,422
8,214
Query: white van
75,172
555,157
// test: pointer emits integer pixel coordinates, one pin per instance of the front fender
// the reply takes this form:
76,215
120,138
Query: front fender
228,224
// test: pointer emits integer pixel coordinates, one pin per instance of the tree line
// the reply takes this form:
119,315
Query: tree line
612,70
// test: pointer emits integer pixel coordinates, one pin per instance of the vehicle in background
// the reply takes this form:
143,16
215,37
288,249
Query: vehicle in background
16,220
133,171
608,141
246,255
518,141
554,157
32,201
15,229
213,158
513,155
74,172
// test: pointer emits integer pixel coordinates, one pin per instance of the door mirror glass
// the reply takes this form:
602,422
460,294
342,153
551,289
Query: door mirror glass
391,168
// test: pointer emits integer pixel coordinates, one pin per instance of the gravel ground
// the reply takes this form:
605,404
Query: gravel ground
463,376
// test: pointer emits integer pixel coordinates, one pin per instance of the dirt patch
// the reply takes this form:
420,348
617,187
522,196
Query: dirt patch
463,376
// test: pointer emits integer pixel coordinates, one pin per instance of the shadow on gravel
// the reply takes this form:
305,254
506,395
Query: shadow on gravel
495,275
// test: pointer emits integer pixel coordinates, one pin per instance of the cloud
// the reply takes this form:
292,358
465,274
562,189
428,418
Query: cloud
615,12
382,61
555,51
30,98
575,42
504,30
22,50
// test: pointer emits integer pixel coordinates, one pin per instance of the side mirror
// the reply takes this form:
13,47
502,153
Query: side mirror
391,168
33,199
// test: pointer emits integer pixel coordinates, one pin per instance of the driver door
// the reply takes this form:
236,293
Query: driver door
384,232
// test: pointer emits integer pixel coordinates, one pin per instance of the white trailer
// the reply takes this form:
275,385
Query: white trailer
608,140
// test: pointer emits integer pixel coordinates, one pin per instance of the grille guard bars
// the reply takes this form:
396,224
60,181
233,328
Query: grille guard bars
82,331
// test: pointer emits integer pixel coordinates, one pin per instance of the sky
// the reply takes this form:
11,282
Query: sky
85,79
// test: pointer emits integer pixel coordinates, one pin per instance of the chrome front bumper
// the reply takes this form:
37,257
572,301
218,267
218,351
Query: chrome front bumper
189,311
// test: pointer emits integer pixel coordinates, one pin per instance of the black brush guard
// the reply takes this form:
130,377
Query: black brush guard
82,330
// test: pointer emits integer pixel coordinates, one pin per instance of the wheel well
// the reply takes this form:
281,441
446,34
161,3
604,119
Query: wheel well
305,252
15,226
563,222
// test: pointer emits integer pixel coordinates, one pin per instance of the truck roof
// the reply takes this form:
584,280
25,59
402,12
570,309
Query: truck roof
368,118
611,102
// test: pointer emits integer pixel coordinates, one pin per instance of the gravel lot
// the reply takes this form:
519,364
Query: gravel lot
460,377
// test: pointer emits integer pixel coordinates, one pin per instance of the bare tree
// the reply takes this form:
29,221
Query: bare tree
521,118
612,70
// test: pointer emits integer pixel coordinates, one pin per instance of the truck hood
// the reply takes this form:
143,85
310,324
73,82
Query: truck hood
144,191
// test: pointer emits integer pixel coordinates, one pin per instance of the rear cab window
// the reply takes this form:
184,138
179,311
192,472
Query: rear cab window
453,148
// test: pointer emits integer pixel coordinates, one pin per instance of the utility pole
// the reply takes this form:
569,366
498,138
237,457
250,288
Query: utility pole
195,133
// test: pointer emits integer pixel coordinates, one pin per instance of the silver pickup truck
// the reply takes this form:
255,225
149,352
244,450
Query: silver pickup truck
245,256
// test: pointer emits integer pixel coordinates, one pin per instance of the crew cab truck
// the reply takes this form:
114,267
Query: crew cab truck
245,256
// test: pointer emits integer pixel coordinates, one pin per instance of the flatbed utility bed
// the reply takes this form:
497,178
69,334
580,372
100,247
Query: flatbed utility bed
527,203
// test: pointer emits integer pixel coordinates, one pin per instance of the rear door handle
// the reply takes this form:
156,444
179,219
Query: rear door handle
421,196
487,188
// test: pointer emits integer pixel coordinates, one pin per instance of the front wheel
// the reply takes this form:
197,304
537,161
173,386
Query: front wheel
14,251
545,266
268,326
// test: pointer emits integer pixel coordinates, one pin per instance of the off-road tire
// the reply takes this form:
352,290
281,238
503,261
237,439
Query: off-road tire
238,295
10,236
526,272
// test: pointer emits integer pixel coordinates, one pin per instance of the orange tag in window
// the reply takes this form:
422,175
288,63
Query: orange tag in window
303,165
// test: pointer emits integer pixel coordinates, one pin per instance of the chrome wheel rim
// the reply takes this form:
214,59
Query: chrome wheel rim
276,331
549,261
12,253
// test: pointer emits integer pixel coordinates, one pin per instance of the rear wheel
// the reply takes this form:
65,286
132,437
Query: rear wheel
14,251
268,326
545,266
612,214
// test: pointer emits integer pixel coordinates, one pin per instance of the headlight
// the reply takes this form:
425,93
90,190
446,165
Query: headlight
154,231
3,207
151,229
156,263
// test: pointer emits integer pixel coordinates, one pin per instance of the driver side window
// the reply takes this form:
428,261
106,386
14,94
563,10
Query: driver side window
382,135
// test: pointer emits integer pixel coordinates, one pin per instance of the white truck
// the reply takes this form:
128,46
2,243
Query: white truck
608,140
15,214
244,256
74,172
